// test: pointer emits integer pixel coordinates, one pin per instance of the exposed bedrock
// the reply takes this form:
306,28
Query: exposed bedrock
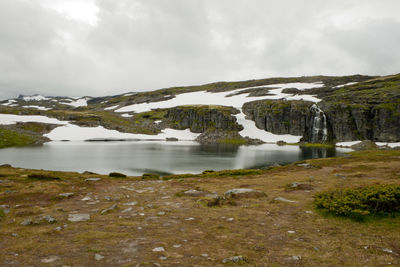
202,118
280,117
327,122
364,122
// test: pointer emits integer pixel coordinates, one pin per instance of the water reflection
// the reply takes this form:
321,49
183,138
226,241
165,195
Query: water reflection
136,158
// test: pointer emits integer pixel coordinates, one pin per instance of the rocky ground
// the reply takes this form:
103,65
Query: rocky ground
267,219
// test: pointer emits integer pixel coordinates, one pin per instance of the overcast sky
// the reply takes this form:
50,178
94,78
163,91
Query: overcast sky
102,47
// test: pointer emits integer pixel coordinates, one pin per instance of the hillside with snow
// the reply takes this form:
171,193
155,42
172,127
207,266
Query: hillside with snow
316,109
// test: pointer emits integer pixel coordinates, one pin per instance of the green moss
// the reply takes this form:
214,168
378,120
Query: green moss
150,176
318,145
117,175
232,141
43,177
9,138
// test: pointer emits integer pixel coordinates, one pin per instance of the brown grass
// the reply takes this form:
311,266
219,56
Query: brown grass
258,231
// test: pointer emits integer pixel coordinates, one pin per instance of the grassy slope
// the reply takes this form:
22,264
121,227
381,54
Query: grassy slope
9,138
259,230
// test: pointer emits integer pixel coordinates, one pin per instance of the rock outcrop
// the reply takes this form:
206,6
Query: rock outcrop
202,118
280,116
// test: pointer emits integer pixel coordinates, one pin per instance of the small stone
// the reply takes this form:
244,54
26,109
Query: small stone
230,219
294,258
158,249
98,257
92,179
163,258
66,195
133,203
49,219
194,193
305,165
58,228
50,259
126,210
309,212
284,200
113,207
27,222
87,198
244,193
14,235
177,246
291,232
78,217
189,219
161,213
387,250
204,255
234,259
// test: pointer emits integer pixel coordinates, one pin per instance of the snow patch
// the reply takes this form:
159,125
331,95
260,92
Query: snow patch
37,107
9,103
113,107
82,102
348,143
392,145
126,115
35,98
7,119
77,133
343,85
221,98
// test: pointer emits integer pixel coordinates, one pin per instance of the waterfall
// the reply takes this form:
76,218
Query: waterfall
319,125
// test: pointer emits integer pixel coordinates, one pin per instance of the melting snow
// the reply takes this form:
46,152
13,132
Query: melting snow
37,107
77,133
113,107
82,102
10,103
343,85
35,98
12,119
208,98
126,115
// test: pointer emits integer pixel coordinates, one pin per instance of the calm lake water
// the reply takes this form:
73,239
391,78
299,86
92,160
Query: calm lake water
136,158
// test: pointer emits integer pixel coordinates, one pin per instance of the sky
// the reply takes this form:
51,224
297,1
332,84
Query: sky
106,47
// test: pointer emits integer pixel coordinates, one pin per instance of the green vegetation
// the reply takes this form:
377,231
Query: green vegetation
317,145
382,200
43,177
117,175
9,138
150,176
382,90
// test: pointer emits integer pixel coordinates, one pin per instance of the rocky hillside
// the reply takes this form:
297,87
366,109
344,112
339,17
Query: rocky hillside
317,109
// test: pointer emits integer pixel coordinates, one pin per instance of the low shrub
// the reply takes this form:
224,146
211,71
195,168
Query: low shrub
150,176
117,175
43,177
381,200
233,172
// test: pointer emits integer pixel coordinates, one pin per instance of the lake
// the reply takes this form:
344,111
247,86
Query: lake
136,158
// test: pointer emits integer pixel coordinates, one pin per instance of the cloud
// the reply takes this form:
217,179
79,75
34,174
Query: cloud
113,46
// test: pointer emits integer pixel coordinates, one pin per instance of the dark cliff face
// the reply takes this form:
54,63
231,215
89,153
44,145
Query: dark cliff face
330,122
202,118
360,122
280,117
